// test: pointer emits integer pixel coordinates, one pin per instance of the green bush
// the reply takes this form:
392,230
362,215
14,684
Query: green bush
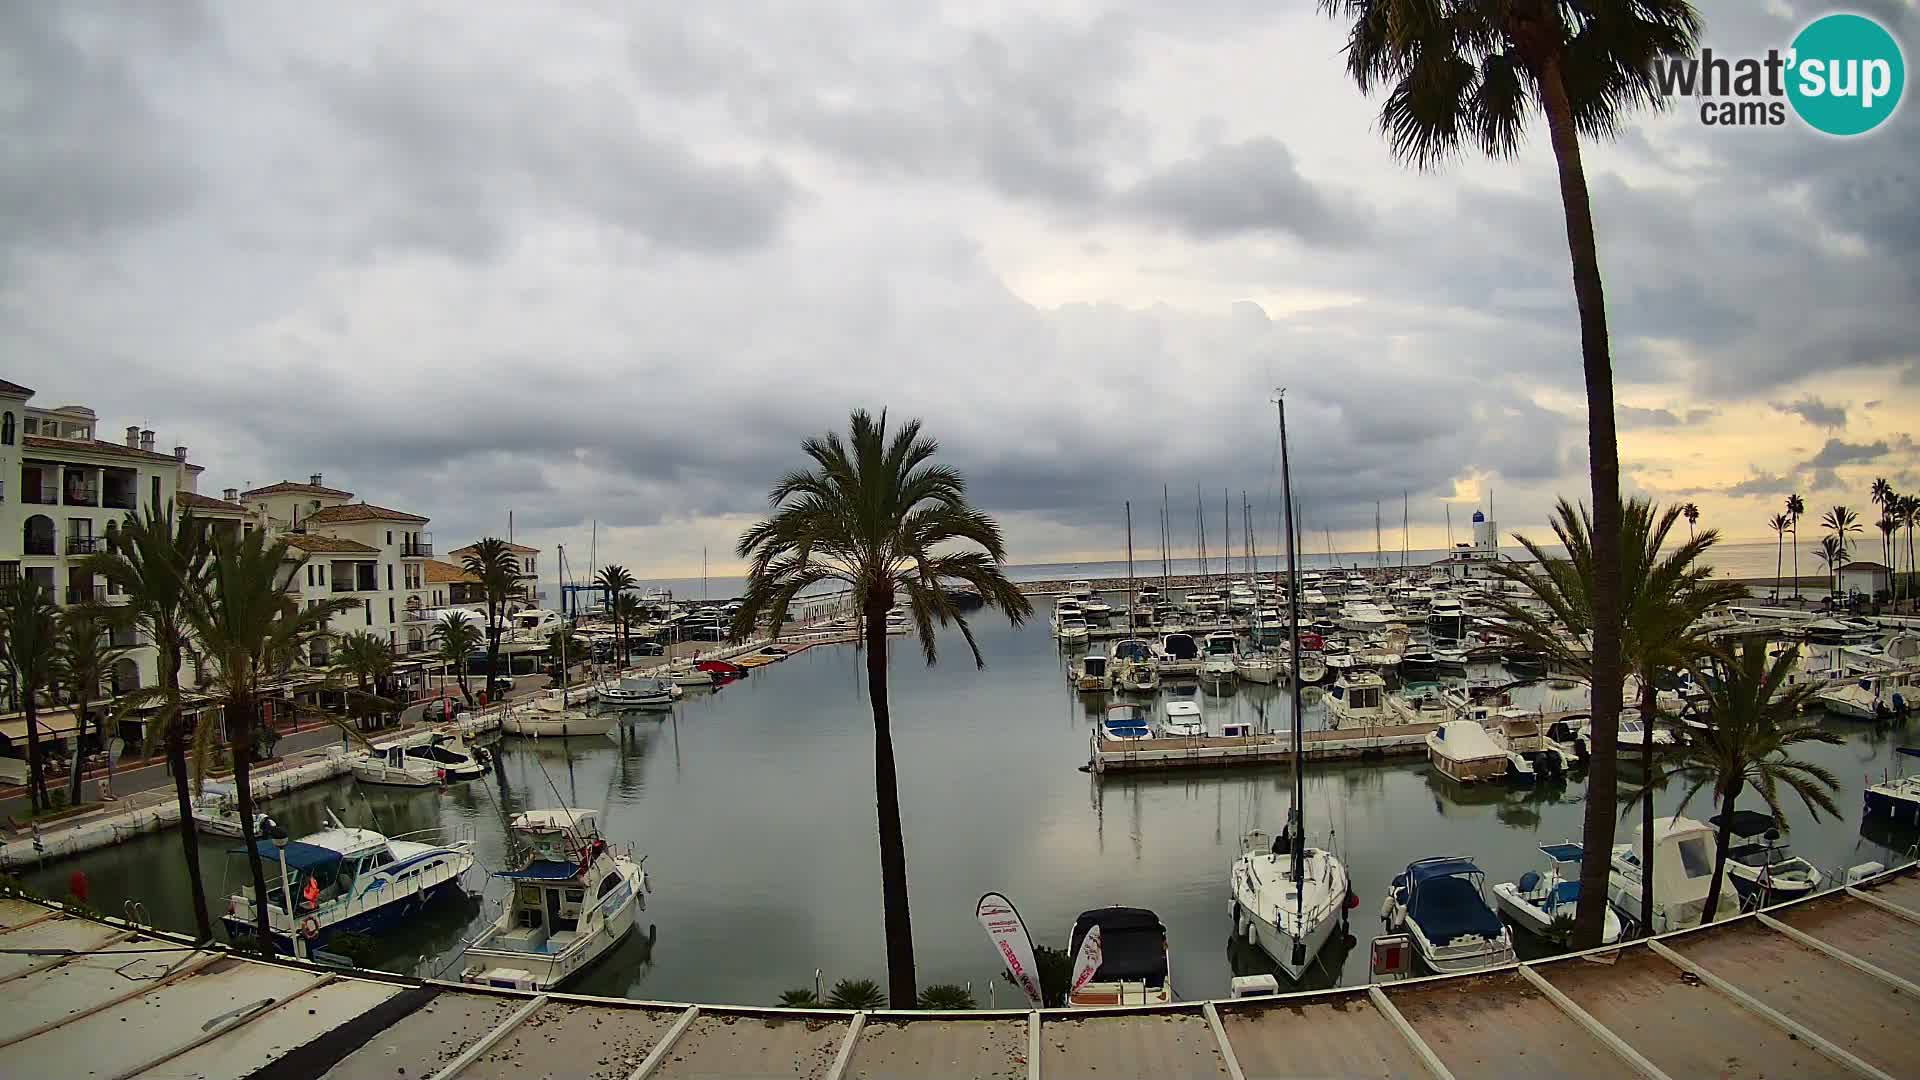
946,996
802,998
857,994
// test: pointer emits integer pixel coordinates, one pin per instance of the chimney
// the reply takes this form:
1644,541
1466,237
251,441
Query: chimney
133,435
231,494
180,454
314,479
146,440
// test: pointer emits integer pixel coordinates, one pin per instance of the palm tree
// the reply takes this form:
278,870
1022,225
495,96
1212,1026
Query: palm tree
626,611
86,654
1662,593
158,563
370,662
458,639
498,571
1889,526
1471,74
1842,523
1832,555
614,581
1779,523
1692,512
31,640
251,627
875,514
1752,719
1910,516
1796,506
1884,498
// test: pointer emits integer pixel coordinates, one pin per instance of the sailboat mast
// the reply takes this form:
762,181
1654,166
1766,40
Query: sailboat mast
1226,544
1200,535
561,551
1296,818
1379,558
1403,528
1166,545
1130,589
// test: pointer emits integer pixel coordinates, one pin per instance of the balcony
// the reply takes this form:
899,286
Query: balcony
120,500
86,594
86,545
341,584
9,575
39,496
420,547
82,495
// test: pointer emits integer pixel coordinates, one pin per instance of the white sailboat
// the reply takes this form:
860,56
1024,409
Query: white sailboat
1287,898
550,717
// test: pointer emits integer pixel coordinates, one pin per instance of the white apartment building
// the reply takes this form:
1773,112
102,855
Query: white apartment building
355,551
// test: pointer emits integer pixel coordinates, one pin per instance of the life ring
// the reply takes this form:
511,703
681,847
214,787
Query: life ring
309,928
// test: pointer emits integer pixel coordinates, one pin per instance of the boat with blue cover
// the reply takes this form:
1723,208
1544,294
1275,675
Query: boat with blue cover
344,879
1441,904
1126,723
1537,899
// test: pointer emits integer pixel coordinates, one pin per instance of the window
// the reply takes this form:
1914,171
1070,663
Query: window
309,576
389,537
156,490
608,884
390,617
389,567
323,573
6,429
382,858
1696,857
33,426
366,609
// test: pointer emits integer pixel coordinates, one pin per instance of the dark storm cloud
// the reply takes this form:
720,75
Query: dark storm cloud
1816,412
1252,187
1837,452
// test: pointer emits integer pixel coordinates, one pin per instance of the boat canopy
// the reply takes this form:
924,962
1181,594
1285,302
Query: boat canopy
1187,708
1910,751
1747,823
1563,853
1133,944
302,857
561,820
1443,896
543,870
1131,649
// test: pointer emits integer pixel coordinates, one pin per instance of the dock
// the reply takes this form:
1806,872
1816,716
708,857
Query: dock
1274,748
1824,986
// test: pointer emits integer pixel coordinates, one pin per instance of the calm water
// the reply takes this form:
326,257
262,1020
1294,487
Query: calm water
754,807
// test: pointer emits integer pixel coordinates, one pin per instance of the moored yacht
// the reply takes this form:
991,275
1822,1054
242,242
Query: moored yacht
1126,723
1895,798
1362,616
1072,628
1358,699
1441,904
1683,854
1462,751
574,898
216,811
389,766
1538,899
1091,675
1178,654
1217,655
553,718
639,691
1133,968
1095,609
1133,667
1766,871
1183,720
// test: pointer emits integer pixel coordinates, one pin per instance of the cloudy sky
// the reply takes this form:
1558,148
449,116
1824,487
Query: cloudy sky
614,260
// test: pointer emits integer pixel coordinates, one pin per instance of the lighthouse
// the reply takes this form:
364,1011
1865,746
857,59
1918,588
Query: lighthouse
1486,537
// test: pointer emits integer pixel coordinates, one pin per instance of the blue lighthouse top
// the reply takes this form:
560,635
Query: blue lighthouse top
1478,517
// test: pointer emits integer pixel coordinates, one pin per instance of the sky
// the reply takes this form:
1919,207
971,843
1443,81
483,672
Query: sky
612,262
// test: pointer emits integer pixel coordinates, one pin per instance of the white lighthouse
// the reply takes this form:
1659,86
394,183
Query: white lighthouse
1486,537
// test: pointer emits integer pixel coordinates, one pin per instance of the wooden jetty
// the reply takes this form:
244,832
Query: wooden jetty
1276,748
1824,986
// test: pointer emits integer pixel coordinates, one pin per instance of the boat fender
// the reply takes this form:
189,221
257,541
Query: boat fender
309,928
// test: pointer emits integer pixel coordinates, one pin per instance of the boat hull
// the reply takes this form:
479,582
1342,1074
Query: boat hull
1889,806
558,727
1526,916
371,921
1468,771
553,971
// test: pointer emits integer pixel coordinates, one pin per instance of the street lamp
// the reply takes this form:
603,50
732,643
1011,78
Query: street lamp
277,833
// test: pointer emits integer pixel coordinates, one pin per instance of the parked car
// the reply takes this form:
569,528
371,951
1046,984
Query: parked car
649,648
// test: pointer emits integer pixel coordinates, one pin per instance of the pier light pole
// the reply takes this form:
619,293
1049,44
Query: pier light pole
277,833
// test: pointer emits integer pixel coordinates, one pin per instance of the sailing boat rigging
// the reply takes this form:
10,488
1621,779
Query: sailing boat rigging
1289,898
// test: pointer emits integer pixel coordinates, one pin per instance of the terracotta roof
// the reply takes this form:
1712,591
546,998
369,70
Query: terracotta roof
14,388
446,573
1865,565
328,515
196,501
330,545
95,446
518,548
288,487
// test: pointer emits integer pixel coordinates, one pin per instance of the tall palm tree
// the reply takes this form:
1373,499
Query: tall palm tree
1843,523
31,640
1889,526
250,627
1692,512
626,611
458,638
1779,523
1472,74
1663,594
1884,497
614,581
158,562
498,570
1910,516
875,514
1752,722
86,656
1796,506
367,658
1832,555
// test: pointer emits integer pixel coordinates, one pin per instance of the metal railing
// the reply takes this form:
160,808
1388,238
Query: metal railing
86,545
421,547
86,594
42,497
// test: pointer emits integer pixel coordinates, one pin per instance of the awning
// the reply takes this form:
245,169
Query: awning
51,725
302,857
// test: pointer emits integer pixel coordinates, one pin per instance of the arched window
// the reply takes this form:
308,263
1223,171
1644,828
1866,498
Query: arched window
6,429
38,535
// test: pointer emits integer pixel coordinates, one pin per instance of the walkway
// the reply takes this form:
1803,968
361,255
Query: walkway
1822,987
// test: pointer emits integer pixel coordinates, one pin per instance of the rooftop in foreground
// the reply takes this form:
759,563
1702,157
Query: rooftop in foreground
1829,985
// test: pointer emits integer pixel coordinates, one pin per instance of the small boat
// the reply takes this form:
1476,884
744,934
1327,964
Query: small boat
1683,849
1449,656
1895,798
1096,609
684,673
1872,697
1178,654
1241,598
1071,628
641,691
1358,699
574,898
1441,904
1462,751
1362,617
1633,733
1217,655
1080,590
1537,900
1269,627
1134,967
391,767
342,879
1183,720
545,719
1764,870
1531,755
1133,666
1418,662
1422,706
1126,723
1524,660
1092,676
1262,668
1287,917
216,811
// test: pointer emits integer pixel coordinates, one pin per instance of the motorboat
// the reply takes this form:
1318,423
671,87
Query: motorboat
1531,754
1881,696
1262,668
1426,705
1290,919
1072,628
1357,699
391,767
1362,617
1449,656
1205,604
1683,870
344,879
1241,598
641,691
574,898
1126,723
1095,609
1092,675
1080,590
1217,655
1446,619
1633,732
1183,720
1268,627
1418,662
682,673
1894,798
1134,967
1462,751
1538,901
1177,654
216,811
1764,870
450,752
1441,904
1133,666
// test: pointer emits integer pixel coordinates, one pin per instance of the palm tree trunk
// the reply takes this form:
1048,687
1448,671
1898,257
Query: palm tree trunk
1779,539
177,764
1720,842
1648,694
36,771
901,990
1604,464
1796,558
240,732
81,716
